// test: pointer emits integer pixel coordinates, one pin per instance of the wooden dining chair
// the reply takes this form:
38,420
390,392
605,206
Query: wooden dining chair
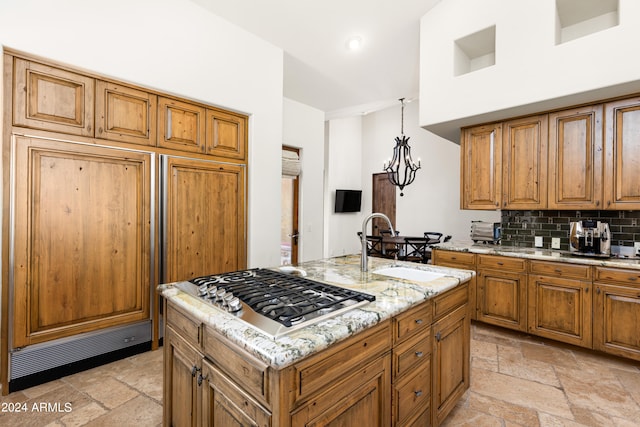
389,250
434,236
416,249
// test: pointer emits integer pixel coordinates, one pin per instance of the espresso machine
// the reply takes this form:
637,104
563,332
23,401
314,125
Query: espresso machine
590,238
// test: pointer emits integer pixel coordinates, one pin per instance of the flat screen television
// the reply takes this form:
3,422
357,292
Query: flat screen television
348,200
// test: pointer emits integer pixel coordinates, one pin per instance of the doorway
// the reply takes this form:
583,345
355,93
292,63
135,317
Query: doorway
384,201
289,236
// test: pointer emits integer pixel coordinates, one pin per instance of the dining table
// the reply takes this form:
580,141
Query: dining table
392,245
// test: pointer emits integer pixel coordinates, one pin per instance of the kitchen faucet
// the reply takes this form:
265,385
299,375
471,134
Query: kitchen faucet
363,257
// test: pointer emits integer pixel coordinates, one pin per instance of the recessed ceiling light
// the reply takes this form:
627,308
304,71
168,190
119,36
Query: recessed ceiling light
354,43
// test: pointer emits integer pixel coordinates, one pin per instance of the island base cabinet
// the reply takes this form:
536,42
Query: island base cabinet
617,320
224,404
450,362
360,399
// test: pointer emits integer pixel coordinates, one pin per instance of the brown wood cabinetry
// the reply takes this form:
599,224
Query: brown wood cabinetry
576,158
481,167
82,256
204,218
462,260
502,293
125,114
616,314
225,134
181,125
622,139
50,98
560,301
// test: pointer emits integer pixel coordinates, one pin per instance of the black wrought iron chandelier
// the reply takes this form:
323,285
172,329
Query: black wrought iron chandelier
401,169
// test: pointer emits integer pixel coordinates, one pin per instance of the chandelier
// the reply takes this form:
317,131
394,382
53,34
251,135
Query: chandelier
401,169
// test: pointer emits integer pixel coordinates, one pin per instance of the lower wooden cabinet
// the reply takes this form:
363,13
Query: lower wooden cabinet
464,261
501,293
616,314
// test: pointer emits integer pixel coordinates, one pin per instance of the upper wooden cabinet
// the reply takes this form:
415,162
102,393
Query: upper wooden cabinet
51,98
125,114
480,167
576,158
225,134
524,161
181,125
622,165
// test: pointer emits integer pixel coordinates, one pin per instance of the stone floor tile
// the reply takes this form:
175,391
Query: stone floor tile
516,414
548,420
140,411
511,361
111,393
82,416
551,354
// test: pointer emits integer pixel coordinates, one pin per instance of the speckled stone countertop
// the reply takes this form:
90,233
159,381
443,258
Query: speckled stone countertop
393,296
539,254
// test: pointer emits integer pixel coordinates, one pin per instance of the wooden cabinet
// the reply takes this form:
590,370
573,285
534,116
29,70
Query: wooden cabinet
181,125
576,158
82,242
125,114
622,164
204,217
226,134
51,98
524,161
616,314
502,293
481,167
450,361
560,302
462,260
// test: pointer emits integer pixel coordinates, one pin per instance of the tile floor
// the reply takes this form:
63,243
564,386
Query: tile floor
516,380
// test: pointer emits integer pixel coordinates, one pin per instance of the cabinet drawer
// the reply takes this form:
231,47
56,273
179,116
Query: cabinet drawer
187,328
329,366
247,371
412,395
501,262
450,300
557,269
615,275
451,257
412,354
412,322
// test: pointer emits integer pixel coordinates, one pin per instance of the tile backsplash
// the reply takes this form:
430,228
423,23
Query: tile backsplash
520,227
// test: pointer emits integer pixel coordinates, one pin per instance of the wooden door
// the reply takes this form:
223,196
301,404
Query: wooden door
501,298
481,167
616,319
53,99
575,159
560,309
524,151
204,218
182,372
125,114
622,149
181,125
383,200
451,362
82,238
226,134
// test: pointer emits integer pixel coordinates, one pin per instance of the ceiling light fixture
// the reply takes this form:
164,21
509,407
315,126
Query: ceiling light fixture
354,43
401,169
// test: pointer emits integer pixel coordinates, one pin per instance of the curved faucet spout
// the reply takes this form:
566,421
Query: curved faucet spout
363,257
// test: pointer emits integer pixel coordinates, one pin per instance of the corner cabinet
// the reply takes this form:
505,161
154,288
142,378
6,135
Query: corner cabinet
481,167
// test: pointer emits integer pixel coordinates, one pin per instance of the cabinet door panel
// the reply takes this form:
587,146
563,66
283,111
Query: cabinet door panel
575,158
125,114
617,320
501,298
181,125
226,134
181,392
524,160
82,238
622,166
205,218
52,99
560,309
481,167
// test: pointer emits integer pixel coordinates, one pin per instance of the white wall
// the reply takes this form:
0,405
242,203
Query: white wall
531,73
343,165
177,47
303,128
432,201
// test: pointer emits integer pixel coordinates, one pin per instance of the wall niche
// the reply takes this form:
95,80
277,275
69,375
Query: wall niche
579,18
475,51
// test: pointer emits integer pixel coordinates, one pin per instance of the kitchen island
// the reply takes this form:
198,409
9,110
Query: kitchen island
402,359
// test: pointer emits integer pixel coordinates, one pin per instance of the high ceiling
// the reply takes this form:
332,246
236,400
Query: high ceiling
319,69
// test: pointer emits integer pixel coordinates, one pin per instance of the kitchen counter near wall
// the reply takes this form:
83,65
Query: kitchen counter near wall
541,254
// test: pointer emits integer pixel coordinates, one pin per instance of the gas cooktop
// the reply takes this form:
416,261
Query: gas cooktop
272,302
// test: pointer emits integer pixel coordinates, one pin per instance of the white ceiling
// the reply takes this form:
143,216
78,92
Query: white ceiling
319,70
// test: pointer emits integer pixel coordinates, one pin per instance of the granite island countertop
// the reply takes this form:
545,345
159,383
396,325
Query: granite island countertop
538,254
393,296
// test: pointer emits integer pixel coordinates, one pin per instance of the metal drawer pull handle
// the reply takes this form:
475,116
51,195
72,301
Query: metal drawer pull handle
418,353
194,370
418,393
419,321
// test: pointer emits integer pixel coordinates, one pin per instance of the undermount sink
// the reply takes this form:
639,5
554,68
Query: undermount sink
409,274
